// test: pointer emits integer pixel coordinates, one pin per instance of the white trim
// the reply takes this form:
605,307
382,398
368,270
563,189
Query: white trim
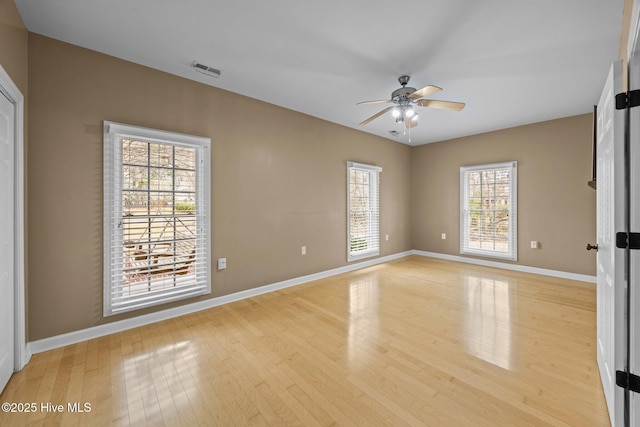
114,133
506,266
370,168
154,135
58,341
374,199
498,165
465,249
633,53
123,325
22,352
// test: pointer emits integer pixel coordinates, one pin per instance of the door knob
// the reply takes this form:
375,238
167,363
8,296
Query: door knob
590,246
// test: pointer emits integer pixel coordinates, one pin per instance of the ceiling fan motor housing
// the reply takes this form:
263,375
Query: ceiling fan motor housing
402,94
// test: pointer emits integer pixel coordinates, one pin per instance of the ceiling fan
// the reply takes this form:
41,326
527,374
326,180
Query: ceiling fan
404,100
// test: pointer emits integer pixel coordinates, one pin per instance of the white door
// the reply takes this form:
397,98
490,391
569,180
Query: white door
610,261
7,224
634,188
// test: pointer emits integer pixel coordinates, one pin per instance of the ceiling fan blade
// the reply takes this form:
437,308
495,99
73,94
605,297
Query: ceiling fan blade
443,105
425,91
382,101
375,116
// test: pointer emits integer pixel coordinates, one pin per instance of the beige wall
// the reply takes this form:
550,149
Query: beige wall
278,180
13,44
555,205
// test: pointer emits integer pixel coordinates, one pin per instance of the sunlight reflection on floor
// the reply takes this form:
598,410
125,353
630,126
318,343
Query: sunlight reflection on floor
487,320
363,318
160,379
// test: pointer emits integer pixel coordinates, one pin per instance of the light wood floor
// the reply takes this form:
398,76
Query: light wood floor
416,342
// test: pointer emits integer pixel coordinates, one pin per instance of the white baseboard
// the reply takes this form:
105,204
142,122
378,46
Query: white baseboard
58,341
507,266
26,356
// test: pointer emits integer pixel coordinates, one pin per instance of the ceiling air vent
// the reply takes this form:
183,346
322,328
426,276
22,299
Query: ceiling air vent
394,132
209,71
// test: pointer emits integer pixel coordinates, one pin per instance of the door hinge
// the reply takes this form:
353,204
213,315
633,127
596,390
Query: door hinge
628,381
628,99
627,240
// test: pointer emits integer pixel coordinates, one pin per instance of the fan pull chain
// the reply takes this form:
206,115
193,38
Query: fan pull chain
404,133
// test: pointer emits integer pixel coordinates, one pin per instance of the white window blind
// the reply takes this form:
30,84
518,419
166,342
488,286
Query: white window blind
363,211
488,210
156,217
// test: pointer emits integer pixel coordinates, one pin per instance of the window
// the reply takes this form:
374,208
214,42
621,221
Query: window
363,210
156,217
488,210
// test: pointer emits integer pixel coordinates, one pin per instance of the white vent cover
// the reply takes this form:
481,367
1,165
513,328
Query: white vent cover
204,69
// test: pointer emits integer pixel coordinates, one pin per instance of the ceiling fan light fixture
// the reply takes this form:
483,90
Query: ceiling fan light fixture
395,112
409,112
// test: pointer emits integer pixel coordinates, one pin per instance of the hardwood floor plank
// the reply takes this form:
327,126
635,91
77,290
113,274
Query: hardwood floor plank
416,341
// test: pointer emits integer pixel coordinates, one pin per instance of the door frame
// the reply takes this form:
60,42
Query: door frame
632,400
22,353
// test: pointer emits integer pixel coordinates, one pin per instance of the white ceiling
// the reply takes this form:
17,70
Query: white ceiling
512,62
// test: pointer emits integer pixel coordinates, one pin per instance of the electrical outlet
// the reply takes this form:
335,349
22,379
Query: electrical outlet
304,250
443,236
386,237
222,263
534,244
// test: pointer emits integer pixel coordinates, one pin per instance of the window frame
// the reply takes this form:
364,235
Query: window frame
512,245
373,218
114,133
